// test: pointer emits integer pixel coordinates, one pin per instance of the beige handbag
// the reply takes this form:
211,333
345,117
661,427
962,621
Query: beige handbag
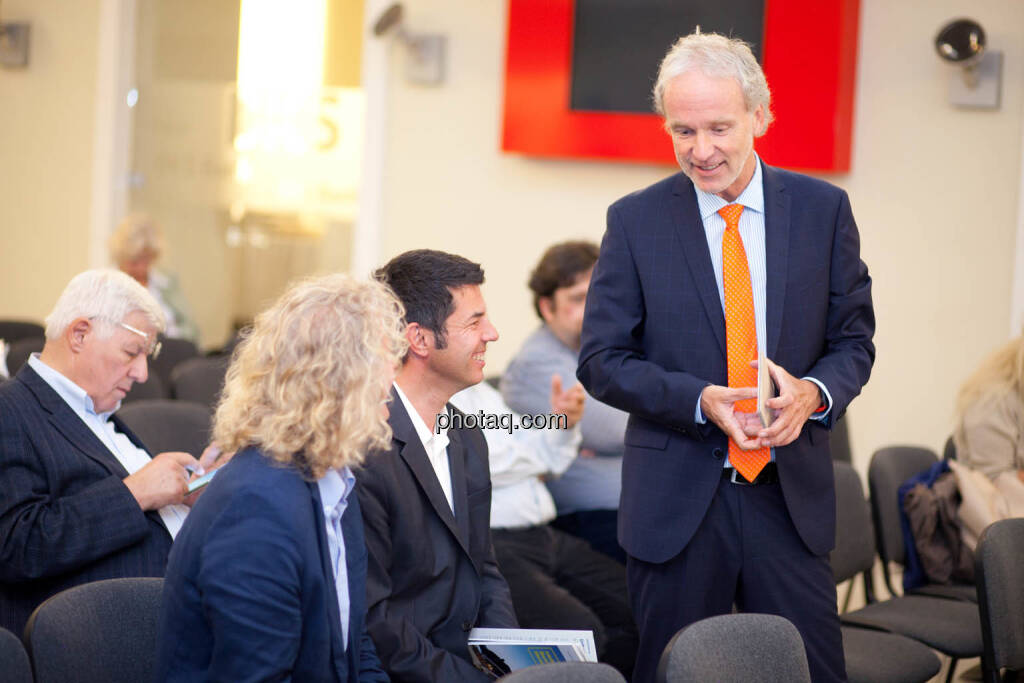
984,500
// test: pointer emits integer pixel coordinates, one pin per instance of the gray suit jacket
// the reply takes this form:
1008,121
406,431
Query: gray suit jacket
65,516
431,575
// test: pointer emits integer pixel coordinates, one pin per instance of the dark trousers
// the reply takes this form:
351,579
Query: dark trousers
599,528
746,551
558,581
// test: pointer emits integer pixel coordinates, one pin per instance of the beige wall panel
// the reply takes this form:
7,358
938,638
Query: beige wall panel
46,138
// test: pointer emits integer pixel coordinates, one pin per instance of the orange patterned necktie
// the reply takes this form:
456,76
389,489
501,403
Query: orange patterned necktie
740,334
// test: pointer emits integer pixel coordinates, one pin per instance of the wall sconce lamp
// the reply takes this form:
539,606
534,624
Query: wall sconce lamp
425,53
13,45
977,84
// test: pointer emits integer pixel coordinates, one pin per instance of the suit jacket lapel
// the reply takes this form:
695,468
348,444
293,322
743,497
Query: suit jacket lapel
410,448
460,497
65,421
327,567
690,230
776,227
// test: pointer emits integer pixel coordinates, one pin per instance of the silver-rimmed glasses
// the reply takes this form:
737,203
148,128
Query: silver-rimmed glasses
154,350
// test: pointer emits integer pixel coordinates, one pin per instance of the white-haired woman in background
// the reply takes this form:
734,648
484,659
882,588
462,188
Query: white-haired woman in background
266,581
135,246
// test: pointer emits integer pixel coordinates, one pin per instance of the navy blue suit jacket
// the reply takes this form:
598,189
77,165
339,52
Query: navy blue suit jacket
250,592
432,574
66,518
654,337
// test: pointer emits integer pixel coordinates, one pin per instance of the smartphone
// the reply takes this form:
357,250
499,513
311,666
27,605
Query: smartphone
202,481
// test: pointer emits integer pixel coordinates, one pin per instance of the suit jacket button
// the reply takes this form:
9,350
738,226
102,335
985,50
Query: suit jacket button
718,453
467,625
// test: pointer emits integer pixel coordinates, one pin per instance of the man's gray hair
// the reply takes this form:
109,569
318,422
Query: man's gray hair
104,295
717,56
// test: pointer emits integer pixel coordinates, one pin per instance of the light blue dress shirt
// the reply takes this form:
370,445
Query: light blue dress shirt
335,488
752,232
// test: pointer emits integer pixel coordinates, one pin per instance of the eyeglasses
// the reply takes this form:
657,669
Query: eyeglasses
154,350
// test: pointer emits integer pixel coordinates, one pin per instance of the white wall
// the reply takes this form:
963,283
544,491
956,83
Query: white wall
934,190
47,115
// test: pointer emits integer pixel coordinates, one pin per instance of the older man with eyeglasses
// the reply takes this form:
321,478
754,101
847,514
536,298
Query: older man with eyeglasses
81,499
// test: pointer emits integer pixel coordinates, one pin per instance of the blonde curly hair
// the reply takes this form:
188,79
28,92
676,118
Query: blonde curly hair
308,382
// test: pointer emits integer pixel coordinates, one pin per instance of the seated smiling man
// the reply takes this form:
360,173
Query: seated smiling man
426,501
82,498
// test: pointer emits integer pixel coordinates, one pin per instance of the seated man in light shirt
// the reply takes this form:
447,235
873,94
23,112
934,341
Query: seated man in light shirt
557,580
587,496
82,499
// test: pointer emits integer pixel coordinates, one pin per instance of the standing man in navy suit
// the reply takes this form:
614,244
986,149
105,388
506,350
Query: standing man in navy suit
661,340
81,499
267,580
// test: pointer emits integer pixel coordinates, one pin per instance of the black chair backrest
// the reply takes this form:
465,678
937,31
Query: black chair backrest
855,540
565,672
705,651
20,351
168,425
949,450
839,441
102,632
14,666
200,379
889,468
152,388
13,330
173,352
999,571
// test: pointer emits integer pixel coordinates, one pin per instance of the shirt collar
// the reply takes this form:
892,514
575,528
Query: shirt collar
752,196
74,395
335,487
426,434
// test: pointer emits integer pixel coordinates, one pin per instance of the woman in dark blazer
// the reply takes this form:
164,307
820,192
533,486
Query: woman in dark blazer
266,580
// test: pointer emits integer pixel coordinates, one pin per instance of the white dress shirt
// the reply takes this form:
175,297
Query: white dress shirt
128,454
335,487
518,460
436,446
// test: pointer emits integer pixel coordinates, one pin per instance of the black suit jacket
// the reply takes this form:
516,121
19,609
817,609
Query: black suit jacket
654,337
66,518
431,575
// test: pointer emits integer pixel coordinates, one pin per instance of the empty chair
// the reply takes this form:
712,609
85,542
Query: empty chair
839,441
565,672
1000,573
20,351
871,656
168,425
889,468
172,353
153,387
881,657
14,666
13,330
706,650
200,379
949,450
950,626
102,632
